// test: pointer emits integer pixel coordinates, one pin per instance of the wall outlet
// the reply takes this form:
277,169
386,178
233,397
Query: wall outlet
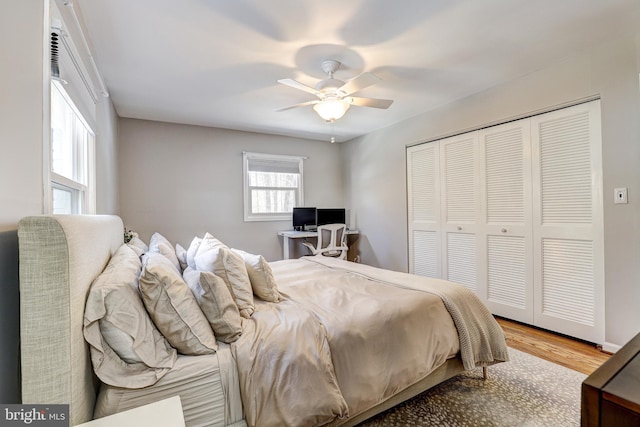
620,195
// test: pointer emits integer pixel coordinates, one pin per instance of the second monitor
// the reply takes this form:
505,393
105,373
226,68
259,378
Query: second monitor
330,216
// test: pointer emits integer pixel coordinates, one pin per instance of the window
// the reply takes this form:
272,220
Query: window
272,186
71,166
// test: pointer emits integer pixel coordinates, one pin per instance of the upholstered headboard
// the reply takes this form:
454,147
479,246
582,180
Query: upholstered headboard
60,256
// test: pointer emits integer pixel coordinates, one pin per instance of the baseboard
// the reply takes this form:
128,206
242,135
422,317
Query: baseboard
610,348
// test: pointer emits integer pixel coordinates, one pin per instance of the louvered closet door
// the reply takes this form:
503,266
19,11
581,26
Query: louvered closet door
505,278
568,243
423,187
459,197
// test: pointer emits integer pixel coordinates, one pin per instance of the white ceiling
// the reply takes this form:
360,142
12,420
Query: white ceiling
216,62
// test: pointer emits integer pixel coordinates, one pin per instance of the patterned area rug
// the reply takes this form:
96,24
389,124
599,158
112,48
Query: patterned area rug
526,391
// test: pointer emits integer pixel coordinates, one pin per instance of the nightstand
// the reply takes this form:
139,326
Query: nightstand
165,413
611,394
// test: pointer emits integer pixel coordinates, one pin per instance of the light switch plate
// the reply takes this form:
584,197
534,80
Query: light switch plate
620,195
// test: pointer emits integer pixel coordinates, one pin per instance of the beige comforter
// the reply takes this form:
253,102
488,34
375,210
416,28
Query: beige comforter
347,336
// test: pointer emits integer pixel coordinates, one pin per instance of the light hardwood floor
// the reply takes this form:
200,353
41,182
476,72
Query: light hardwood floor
571,353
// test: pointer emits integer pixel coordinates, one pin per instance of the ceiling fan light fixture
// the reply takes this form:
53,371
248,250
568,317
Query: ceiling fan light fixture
331,109
334,96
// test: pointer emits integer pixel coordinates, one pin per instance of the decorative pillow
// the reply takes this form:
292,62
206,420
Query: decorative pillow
159,244
230,267
131,353
173,307
216,303
139,247
191,252
209,242
181,254
260,275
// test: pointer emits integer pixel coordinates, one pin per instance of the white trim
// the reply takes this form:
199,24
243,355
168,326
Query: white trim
77,198
254,155
248,216
610,347
66,182
85,44
65,39
74,40
90,195
46,110
508,120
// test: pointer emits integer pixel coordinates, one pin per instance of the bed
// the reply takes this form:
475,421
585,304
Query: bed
352,341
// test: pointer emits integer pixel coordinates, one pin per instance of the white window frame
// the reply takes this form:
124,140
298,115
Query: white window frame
252,216
82,185
76,191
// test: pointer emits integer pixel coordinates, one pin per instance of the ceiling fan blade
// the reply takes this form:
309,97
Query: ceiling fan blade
302,104
369,102
360,82
297,85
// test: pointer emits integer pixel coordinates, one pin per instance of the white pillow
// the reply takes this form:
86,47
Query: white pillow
159,244
209,242
230,267
260,275
173,307
181,254
191,251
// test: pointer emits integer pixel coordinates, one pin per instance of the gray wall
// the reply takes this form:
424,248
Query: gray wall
24,28
107,188
183,181
376,183
21,107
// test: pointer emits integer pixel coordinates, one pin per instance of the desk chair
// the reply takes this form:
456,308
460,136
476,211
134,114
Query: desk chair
332,241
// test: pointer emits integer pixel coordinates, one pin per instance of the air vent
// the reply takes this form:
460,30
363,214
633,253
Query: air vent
55,40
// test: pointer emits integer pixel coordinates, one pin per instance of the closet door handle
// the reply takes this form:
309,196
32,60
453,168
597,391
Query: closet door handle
504,230
459,228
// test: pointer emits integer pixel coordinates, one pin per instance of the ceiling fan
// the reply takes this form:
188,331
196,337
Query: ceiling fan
334,96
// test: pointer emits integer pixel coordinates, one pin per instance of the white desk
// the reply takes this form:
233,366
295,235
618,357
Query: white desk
290,234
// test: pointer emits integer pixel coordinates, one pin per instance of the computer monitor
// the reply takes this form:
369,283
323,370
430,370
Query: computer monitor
330,216
303,218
